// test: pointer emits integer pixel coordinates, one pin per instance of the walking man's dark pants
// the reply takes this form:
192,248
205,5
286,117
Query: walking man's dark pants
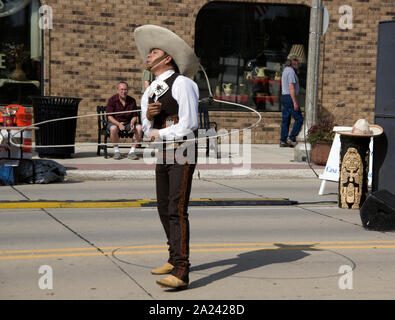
288,112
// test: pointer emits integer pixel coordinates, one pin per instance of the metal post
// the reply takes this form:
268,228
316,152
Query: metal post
313,63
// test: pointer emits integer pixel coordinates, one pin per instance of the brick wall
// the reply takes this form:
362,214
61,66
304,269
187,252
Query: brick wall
91,48
348,61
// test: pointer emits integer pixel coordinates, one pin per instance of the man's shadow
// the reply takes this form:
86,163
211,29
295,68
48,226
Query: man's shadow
252,260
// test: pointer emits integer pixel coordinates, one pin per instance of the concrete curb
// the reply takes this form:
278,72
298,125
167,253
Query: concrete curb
124,203
223,174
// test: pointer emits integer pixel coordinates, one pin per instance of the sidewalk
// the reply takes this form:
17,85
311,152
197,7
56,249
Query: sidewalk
264,160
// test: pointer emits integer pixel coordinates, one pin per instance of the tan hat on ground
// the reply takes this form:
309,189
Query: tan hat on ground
362,128
150,36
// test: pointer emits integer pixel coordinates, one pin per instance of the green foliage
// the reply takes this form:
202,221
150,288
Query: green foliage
321,132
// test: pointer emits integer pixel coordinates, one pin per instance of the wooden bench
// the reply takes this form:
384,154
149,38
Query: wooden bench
206,124
102,121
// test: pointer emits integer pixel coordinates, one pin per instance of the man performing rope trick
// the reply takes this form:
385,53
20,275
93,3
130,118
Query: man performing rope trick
169,111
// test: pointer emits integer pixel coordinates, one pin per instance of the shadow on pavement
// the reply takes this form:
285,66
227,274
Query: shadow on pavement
252,260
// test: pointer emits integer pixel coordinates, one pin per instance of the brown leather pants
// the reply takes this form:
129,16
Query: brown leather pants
173,188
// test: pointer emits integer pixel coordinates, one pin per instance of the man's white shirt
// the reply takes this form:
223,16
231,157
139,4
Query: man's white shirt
186,93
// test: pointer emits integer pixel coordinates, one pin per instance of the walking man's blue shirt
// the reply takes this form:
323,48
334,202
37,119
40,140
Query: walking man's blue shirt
289,76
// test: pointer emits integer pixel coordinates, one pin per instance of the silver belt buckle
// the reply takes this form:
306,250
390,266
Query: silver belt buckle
169,122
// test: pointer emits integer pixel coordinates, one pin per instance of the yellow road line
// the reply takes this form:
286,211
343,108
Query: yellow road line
37,254
243,249
81,249
305,243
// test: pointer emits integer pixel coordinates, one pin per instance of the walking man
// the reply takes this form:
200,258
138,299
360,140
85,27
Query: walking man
290,107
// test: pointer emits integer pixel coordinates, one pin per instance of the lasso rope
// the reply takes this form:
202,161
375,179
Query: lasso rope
210,98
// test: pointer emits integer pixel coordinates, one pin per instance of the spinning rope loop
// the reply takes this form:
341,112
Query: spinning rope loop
210,98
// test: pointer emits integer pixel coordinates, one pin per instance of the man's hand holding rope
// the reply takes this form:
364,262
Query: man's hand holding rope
153,110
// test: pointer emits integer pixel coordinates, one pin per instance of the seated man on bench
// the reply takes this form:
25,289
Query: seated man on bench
127,122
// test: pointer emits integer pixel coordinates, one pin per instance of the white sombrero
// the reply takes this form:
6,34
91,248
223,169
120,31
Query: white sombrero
362,128
151,36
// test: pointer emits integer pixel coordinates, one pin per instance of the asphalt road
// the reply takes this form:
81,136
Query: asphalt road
312,250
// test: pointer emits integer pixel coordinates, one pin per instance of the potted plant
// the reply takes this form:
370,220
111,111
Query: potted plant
321,136
17,54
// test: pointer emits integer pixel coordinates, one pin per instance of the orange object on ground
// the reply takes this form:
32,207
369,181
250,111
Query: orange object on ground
23,119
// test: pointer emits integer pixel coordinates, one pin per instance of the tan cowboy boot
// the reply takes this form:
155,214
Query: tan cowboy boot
165,269
172,282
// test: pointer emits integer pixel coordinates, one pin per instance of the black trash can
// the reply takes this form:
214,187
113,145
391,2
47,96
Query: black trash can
56,132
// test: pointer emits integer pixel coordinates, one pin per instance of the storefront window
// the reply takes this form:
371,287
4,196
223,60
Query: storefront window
243,48
20,51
